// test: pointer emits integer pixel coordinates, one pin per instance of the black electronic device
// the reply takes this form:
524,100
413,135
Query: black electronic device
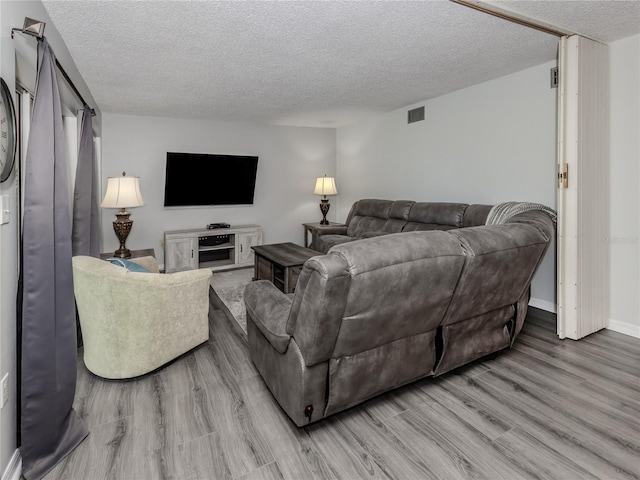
212,240
201,179
213,226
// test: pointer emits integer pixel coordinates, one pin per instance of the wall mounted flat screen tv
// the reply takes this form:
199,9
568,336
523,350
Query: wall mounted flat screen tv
194,179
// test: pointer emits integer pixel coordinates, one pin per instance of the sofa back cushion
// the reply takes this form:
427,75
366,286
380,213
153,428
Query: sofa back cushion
398,215
500,262
400,286
424,215
476,215
368,215
371,215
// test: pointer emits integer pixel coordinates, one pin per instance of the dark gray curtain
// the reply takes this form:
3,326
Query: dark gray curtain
50,428
86,231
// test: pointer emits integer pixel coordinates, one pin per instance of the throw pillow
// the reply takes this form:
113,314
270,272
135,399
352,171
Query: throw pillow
131,266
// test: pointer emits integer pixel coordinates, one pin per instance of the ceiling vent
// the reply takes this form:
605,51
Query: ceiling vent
415,115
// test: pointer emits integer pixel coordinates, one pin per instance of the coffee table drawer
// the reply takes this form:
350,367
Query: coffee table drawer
264,269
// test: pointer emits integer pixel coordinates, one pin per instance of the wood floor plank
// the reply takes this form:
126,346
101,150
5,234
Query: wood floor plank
614,342
440,448
232,353
270,471
524,448
185,389
602,355
583,398
383,407
588,370
538,344
203,458
471,443
591,431
544,426
291,446
388,450
488,421
99,401
243,448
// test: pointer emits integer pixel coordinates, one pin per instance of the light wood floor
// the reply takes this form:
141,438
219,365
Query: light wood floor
547,409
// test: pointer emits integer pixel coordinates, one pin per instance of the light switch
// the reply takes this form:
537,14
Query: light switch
5,207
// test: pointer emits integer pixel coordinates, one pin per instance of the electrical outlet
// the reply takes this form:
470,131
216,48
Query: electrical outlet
5,390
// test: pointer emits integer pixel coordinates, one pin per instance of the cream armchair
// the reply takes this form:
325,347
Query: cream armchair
133,323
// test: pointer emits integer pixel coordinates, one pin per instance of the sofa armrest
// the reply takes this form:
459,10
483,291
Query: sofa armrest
269,309
321,230
330,230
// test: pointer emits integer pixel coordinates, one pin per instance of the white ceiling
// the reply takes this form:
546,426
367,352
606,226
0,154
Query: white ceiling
308,63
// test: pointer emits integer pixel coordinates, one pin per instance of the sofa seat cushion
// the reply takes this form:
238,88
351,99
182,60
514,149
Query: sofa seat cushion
325,242
270,313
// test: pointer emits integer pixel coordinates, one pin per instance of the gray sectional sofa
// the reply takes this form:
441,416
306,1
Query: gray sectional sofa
384,311
372,218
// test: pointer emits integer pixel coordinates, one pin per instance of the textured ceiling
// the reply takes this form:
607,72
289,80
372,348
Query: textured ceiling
307,63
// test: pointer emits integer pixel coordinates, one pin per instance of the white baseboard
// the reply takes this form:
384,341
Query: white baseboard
14,468
626,328
542,305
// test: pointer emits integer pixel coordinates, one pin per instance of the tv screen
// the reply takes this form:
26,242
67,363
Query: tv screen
193,179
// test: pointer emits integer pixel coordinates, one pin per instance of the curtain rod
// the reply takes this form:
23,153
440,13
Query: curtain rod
35,28
512,17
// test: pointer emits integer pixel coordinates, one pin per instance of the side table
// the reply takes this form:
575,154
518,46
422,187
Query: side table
310,227
147,252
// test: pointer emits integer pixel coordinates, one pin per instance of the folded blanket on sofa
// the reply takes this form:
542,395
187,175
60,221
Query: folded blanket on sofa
502,212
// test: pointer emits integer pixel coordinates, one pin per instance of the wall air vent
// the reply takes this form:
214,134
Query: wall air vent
415,115
554,77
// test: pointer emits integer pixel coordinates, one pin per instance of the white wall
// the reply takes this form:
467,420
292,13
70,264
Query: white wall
490,143
12,14
624,238
290,159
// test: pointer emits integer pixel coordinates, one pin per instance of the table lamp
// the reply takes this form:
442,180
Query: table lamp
122,192
325,186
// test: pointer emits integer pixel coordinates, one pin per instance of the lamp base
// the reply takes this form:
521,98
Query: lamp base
324,208
122,253
122,226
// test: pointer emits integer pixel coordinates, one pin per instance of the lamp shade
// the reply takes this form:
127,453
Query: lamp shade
122,192
325,186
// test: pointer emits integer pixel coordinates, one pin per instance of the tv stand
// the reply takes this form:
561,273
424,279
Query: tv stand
217,249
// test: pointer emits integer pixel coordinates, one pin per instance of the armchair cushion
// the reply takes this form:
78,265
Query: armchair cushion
129,265
270,312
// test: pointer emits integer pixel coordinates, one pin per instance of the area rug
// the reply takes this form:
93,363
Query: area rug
229,286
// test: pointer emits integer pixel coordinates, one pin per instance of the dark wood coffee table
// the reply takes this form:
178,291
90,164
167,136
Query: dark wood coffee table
281,264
